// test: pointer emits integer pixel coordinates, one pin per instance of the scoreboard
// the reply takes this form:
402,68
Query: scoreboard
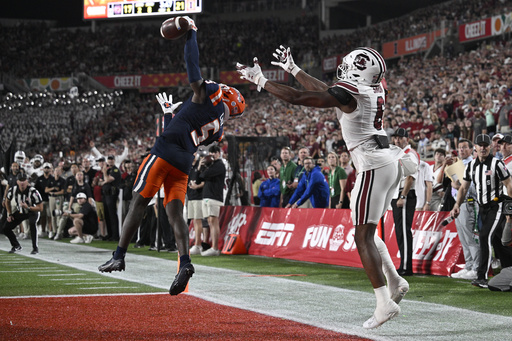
108,9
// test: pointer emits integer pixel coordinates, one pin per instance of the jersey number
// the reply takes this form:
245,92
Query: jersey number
377,123
207,130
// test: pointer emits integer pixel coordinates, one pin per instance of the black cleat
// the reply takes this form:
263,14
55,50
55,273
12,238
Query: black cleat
181,280
481,283
16,249
35,251
112,265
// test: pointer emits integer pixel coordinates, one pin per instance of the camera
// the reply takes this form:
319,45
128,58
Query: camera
507,207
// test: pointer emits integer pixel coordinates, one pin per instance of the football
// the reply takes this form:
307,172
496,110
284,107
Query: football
174,28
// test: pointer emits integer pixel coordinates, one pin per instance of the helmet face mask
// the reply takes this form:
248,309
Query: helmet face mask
234,102
364,66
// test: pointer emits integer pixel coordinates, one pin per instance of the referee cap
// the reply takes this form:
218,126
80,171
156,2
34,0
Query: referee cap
483,139
21,177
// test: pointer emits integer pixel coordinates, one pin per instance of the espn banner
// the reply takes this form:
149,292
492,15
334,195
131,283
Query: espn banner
327,236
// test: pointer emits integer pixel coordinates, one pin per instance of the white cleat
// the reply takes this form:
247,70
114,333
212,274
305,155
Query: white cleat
382,315
399,292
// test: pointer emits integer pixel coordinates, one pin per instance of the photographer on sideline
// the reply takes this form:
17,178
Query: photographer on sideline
85,222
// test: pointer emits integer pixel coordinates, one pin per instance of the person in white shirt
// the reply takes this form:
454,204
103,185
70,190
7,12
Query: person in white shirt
424,187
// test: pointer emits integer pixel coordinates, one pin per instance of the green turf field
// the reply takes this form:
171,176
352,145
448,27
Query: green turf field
20,276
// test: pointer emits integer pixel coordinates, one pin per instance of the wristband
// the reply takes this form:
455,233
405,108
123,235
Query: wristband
295,70
260,81
402,196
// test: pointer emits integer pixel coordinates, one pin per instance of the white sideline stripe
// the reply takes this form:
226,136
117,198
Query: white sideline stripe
331,308
6,271
116,287
73,279
50,275
87,283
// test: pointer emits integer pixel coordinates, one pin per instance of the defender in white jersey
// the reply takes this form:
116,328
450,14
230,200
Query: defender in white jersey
359,98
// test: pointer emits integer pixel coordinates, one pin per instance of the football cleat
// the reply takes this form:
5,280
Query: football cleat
181,280
16,249
399,292
380,316
112,265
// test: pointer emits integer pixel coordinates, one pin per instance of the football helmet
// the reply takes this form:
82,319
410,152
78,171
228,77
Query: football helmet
39,158
364,66
234,102
19,157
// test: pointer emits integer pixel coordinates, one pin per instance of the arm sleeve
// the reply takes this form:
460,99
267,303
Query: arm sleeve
298,192
192,57
96,152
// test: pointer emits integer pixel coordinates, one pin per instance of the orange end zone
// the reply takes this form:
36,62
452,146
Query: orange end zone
145,317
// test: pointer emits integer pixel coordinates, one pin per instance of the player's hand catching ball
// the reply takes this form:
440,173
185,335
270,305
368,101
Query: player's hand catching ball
191,23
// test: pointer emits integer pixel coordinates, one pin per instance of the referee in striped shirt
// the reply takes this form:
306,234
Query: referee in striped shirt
489,175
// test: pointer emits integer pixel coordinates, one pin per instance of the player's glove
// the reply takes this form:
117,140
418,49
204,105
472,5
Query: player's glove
252,74
191,23
285,60
166,103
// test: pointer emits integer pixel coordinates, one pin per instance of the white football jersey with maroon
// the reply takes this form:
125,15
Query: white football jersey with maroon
359,127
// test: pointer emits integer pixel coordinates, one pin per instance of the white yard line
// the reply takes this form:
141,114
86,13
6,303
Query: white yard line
322,306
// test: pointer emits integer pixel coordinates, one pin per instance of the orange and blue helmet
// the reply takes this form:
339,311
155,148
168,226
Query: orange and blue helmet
234,102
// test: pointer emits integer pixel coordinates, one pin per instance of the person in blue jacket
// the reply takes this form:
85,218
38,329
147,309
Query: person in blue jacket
312,185
270,190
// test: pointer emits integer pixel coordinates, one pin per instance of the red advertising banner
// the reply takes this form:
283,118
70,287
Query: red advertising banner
327,236
402,47
475,30
160,80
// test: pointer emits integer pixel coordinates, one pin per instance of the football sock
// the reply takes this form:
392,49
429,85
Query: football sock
120,253
185,259
387,264
382,295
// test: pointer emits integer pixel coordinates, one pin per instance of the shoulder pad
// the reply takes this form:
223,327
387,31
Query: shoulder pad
342,95
348,86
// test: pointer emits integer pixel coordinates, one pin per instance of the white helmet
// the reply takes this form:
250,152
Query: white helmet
39,158
19,157
364,66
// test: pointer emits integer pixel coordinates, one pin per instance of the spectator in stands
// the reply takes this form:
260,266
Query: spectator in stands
46,215
257,180
311,185
98,198
127,181
195,206
110,186
495,147
286,176
437,169
212,174
118,159
337,179
89,172
269,191
55,190
424,187
85,221
299,173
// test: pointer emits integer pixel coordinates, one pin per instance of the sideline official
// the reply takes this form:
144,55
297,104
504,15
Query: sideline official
489,175
29,204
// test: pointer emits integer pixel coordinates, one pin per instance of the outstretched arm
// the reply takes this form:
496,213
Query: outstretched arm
192,62
318,99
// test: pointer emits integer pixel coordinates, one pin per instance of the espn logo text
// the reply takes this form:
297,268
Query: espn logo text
272,234
319,236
